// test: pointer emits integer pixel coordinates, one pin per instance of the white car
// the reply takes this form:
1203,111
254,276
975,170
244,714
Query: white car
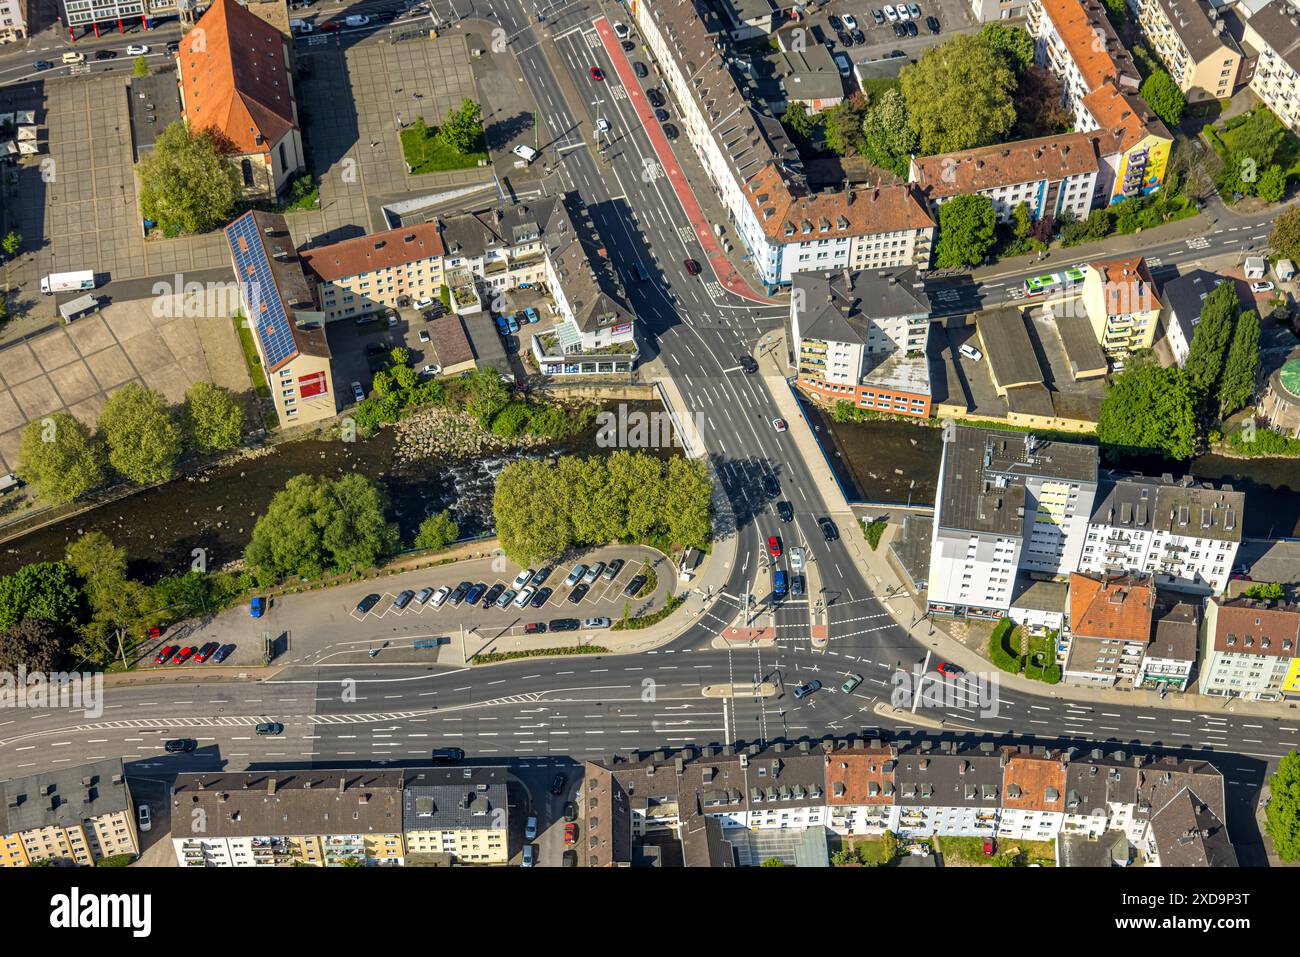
142,815
796,559
1264,286
356,20
439,596
891,14
430,370
525,596
522,579
914,10
620,30
423,303
137,49
970,352
424,335
779,425
602,125
525,153
902,13
850,24
530,828
358,393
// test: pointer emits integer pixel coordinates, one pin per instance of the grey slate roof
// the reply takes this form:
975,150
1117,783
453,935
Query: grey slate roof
583,268
1098,780
1275,22
1183,507
64,797
471,234
454,797
837,306
1189,834
1174,632
1080,342
932,778
1185,295
1194,21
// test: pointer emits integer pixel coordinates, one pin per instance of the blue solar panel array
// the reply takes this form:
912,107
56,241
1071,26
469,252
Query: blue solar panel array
271,323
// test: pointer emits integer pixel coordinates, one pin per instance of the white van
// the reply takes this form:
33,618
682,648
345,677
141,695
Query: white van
356,20
300,26
526,153
73,57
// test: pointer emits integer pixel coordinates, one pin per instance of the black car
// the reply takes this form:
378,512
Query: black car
748,364
43,65
493,594
859,36
461,591
570,811
670,131
845,38
932,23
635,585
661,116
836,23
180,746
557,784
404,599
911,28
770,485
367,603
224,652
629,46
569,858
105,54
172,46
540,598
655,97
564,624
829,531
785,510
639,69
796,585
900,30
540,576
894,54
579,593
444,755
475,593
385,16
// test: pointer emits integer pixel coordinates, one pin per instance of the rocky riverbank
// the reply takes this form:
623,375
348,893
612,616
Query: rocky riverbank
450,434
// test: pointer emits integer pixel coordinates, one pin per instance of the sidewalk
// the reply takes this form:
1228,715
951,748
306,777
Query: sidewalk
903,606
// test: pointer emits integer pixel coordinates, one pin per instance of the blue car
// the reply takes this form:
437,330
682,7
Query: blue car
223,653
503,327
514,322
531,314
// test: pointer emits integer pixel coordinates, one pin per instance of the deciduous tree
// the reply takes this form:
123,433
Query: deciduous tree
1285,237
1237,384
32,643
186,185
437,531
1210,339
1282,816
959,95
1149,409
60,458
47,590
143,438
462,129
211,417
966,230
1164,97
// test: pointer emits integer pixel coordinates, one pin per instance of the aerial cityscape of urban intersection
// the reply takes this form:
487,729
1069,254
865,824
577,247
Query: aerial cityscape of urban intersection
653,433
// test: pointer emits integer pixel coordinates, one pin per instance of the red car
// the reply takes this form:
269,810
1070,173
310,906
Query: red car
692,267
952,671
774,546
596,73
988,847
206,652
183,655
571,833
166,653
155,631
329,25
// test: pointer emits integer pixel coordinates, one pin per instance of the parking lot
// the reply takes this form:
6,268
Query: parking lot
873,40
327,628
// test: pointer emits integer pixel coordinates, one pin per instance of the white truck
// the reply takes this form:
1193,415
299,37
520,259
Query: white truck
68,281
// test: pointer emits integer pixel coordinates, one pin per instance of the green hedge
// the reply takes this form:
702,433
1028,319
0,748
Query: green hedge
494,656
873,530
645,621
1000,651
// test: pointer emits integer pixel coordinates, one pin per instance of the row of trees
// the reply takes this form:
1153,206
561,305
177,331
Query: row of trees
138,436
544,509
1153,409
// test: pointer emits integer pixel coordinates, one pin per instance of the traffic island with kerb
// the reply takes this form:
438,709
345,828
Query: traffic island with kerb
740,689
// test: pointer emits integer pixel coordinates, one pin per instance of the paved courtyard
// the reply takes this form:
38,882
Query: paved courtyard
75,367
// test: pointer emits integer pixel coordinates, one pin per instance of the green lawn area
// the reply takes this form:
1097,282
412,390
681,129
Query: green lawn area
250,358
426,153
969,852
1288,152
875,87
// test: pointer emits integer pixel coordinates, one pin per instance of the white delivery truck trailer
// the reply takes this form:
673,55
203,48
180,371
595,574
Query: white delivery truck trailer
68,281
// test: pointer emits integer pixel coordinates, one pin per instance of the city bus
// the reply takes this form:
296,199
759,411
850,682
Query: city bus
1053,283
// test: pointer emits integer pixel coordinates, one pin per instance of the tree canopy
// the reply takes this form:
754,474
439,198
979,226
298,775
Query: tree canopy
1210,339
462,129
437,531
1285,237
46,590
34,643
959,95
967,228
1013,44
1237,384
212,418
888,139
60,458
186,185
1164,97
143,439
1149,409
316,525
1282,816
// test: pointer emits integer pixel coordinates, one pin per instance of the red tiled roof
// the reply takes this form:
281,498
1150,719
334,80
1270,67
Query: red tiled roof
1127,286
1034,776
1124,119
1119,607
363,254
1256,628
1092,42
235,80
1049,158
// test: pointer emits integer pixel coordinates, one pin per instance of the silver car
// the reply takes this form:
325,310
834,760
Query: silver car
575,576
593,573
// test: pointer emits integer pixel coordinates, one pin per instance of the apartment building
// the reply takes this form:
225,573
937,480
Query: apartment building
1109,628
13,20
503,246
597,329
1172,651
1052,175
383,270
282,818
238,83
747,19
1274,31
1184,534
717,802
757,173
1100,86
986,11
1006,503
462,812
73,815
280,310
1119,297
1192,40
1182,299
861,337
1249,648
112,14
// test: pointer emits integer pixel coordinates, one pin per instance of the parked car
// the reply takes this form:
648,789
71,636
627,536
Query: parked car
142,817
878,16
564,624
890,13
571,833
269,728
540,597
1264,286
579,593
595,623
423,596
900,31
628,46
329,26
403,599
774,546
851,682
842,64
183,656
530,827
535,628
440,596
530,856
850,22
914,10
640,70
593,573
506,597
180,746
968,351
447,755
503,327
424,335
635,585
612,570
570,811
459,593
932,23
475,593
902,11
990,848
785,511
206,652
829,531
911,28
661,116
223,653
858,36
493,594
845,38
524,596
165,655
836,23
512,321
523,578
575,576
620,30
804,690
358,393
670,131
655,97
